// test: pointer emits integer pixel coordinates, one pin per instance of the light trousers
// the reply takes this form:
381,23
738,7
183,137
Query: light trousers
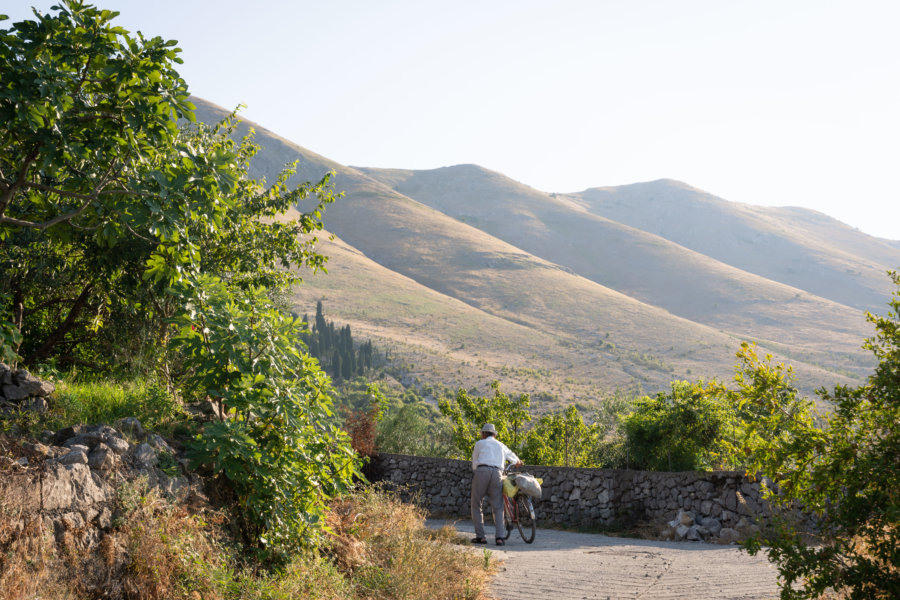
486,482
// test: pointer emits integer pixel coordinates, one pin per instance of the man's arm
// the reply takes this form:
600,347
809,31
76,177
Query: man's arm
510,456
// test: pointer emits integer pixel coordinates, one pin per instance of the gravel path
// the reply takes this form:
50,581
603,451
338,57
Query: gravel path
562,565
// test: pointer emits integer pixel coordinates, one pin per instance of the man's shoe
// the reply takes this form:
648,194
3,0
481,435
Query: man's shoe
501,542
479,540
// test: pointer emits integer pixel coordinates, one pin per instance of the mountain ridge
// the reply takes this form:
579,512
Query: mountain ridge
584,338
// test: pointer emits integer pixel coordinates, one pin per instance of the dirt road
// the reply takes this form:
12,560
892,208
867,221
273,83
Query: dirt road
562,565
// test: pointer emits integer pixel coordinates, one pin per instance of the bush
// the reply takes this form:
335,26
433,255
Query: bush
845,472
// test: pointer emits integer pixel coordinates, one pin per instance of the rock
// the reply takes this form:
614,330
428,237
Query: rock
731,501
33,386
66,433
159,444
75,456
97,434
746,529
728,536
681,531
72,487
38,405
145,456
131,426
685,518
102,457
713,525
693,534
39,449
5,374
14,393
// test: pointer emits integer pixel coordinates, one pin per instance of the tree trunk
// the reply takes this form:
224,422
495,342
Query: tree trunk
43,351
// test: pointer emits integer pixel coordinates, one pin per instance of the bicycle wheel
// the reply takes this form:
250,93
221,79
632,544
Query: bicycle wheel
525,521
507,518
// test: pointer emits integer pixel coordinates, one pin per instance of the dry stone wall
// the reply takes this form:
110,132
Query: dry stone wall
68,483
720,506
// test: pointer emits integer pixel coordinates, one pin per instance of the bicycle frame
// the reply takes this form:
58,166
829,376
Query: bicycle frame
519,512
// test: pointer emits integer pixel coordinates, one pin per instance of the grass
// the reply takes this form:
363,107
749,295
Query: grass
91,402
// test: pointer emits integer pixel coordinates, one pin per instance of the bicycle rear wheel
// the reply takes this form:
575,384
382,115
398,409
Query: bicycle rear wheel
525,521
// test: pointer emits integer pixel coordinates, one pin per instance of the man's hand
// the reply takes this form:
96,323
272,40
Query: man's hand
519,464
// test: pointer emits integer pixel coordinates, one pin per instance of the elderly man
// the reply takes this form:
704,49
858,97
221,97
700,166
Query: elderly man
489,458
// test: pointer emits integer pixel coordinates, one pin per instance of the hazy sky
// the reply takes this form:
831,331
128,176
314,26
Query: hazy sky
788,102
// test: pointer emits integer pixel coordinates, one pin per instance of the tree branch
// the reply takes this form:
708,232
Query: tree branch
10,190
60,332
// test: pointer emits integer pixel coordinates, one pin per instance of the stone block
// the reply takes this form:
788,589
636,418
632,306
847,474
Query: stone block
145,456
14,393
728,536
102,458
33,386
77,455
131,426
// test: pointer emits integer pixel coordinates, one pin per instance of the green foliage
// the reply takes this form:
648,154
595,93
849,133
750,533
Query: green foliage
678,431
104,401
468,415
562,438
845,472
98,183
84,108
412,429
277,448
118,225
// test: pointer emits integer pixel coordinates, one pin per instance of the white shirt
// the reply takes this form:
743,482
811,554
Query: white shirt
493,452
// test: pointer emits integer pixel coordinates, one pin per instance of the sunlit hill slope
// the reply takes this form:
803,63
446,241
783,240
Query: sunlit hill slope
468,276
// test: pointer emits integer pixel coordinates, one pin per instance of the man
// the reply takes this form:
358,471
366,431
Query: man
489,457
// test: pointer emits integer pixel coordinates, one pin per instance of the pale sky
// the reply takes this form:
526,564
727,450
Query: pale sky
781,103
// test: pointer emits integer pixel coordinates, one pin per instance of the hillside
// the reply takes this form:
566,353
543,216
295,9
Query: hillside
794,246
639,264
461,304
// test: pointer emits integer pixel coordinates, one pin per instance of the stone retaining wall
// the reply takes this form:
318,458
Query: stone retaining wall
718,506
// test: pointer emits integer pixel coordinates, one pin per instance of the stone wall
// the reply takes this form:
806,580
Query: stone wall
69,484
719,506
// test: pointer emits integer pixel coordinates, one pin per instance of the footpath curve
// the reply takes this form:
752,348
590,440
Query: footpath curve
562,565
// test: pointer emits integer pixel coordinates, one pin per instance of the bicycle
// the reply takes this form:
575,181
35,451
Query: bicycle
518,510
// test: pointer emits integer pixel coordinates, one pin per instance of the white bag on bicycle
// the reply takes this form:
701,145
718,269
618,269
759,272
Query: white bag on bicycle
529,485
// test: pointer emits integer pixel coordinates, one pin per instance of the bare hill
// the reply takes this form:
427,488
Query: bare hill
639,264
797,247
462,305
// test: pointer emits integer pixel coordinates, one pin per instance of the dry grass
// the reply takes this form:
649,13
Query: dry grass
383,547
379,549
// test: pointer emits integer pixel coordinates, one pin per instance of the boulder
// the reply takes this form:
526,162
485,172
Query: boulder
14,393
72,487
103,458
145,456
131,426
685,518
714,526
76,456
728,536
33,386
